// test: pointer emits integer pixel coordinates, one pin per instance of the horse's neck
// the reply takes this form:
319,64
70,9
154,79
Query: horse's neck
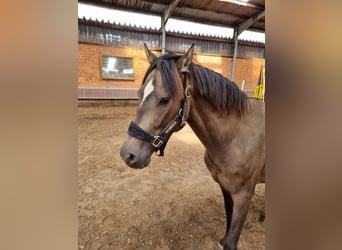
209,125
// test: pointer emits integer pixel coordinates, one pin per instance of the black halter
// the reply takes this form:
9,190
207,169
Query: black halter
159,141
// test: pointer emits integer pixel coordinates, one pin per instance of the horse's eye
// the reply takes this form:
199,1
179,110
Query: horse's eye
164,101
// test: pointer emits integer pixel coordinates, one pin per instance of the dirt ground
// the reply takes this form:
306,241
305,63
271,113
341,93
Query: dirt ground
171,204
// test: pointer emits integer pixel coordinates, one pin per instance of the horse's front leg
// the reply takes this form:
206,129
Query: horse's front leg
241,201
228,205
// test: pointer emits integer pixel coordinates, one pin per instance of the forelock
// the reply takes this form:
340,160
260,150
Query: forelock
168,71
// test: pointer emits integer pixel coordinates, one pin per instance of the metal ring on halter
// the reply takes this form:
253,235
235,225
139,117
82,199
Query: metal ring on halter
187,91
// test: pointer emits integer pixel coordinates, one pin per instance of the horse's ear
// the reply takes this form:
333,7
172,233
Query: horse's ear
184,61
150,56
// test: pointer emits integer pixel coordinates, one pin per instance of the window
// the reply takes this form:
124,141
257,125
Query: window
114,67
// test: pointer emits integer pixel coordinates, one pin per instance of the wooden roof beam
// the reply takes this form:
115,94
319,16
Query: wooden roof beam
169,10
249,22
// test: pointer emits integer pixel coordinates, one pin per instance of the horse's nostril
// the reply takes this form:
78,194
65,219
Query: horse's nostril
131,158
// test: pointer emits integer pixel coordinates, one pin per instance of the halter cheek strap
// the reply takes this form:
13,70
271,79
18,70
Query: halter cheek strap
159,141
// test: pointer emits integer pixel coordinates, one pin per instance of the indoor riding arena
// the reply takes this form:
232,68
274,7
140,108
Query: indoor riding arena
174,203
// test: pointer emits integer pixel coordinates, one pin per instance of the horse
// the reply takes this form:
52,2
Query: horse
229,124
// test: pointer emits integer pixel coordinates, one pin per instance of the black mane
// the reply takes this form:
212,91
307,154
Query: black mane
223,94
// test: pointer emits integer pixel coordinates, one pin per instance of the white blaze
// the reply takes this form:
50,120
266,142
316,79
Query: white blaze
147,91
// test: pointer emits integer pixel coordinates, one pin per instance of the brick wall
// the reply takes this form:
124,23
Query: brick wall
89,73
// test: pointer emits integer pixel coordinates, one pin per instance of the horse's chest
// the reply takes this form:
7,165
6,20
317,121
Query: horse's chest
231,169
222,165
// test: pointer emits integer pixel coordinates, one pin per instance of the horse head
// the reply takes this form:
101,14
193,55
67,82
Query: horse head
162,107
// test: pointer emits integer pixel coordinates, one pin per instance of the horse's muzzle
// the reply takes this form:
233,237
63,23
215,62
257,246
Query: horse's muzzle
135,159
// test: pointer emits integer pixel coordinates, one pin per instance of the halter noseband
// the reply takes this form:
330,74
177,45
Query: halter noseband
159,141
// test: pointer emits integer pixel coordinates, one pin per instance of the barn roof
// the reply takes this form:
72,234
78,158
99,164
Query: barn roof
128,27
228,13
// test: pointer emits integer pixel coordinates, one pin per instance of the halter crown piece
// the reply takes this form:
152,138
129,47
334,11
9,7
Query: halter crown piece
159,141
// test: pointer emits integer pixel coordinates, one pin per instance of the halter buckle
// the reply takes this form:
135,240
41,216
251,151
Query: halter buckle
157,142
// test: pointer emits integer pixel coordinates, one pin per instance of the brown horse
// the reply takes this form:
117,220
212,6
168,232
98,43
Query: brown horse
229,124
